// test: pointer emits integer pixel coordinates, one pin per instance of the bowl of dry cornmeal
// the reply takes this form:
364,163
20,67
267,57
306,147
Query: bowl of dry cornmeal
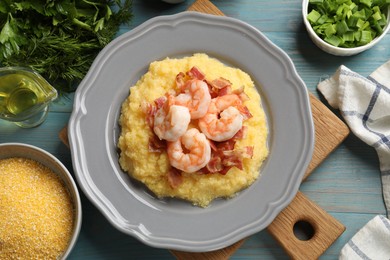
40,215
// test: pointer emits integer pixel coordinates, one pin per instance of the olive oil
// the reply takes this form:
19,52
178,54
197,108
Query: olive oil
24,96
21,99
18,93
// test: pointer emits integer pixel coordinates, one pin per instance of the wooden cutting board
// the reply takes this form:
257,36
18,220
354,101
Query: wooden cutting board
330,131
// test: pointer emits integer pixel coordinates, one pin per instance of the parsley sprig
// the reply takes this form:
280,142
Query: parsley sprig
59,38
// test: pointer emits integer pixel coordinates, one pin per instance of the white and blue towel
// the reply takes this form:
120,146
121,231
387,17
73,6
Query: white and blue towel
365,105
370,242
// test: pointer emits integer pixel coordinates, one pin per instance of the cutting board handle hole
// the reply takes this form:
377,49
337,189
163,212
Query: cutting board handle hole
303,230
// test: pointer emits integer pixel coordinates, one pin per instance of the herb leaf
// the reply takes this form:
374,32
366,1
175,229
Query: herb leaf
59,38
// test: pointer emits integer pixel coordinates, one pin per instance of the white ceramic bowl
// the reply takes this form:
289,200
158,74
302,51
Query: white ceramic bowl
9,150
339,51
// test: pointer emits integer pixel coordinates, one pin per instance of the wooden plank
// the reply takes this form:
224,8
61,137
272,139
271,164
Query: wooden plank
63,135
205,6
330,131
224,253
326,229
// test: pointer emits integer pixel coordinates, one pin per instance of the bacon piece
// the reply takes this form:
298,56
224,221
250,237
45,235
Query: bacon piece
164,102
219,87
145,107
149,111
248,152
180,80
204,170
244,112
213,91
232,158
196,73
225,157
159,102
174,178
213,145
156,145
241,94
220,83
226,145
245,152
225,91
235,157
215,164
241,134
225,170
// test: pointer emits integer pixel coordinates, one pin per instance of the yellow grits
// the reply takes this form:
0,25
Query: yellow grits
151,168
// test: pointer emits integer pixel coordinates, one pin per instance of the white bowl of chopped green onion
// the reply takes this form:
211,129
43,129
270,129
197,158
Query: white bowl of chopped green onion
346,27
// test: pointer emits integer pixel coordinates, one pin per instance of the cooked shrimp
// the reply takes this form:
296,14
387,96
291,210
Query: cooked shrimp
196,97
170,126
223,119
191,152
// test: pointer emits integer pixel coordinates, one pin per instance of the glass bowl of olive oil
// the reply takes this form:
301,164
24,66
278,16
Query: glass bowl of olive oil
24,96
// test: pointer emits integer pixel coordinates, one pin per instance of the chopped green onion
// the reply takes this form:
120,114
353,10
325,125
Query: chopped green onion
330,30
341,28
333,40
313,16
368,12
382,22
365,25
360,14
352,21
348,23
352,6
366,37
340,11
377,16
316,1
366,2
377,27
348,37
322,19
357,35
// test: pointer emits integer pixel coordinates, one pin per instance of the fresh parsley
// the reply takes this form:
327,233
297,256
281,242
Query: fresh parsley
59,38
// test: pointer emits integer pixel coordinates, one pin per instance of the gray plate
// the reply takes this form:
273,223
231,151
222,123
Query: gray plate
171,223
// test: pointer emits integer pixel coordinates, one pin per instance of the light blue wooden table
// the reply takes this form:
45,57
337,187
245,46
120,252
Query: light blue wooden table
347,184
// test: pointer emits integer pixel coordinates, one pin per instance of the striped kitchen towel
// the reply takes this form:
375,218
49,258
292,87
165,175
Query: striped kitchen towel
370,242
364,103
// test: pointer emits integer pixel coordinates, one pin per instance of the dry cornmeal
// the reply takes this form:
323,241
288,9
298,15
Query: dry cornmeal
36,211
